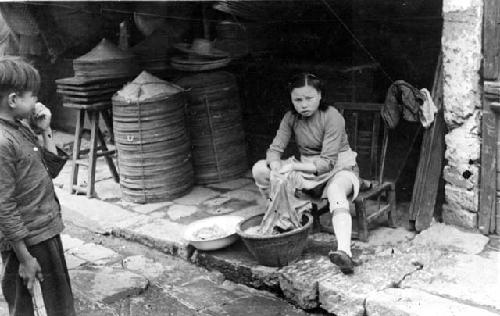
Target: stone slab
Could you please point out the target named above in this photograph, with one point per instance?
(196, 196)
(70, 242)
(299, 281)
(108, 190)
(245, 195)
(177, 211)
(177, 274)
(144, 266)
(217, 201)
(460, 198)
(225, 204)
(345, 294)
(448, 237)
(455, 175)
(94, 253)
(231, 185)
(384, 236)
(459, 217)
(4, 308)
(133, 220)
(155, 303)
(160, 234)
(468, 278)
(106, 284)
(251, 187)
(73, 262)
(238, 265)
(256, 305)
(250, 211)
(144, 208)
(411, 302)
(202, 294)
(96, 215)
(102, 173)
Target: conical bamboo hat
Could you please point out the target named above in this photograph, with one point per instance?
(146, 87)
(104, 51)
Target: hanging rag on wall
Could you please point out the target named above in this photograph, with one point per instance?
(405, 100)
(428, 109)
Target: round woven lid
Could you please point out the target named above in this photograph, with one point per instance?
(104, 51)
(206, 79)
(146, 87)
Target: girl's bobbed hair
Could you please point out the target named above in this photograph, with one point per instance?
(307, 79)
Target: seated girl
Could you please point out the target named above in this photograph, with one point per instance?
(326, 163)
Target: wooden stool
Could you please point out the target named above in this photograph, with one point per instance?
(93, 112)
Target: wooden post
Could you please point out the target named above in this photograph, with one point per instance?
(124, 36)
(491, 35)
(206, 23)
(491, 70)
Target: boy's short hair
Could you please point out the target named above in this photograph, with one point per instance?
(18, 75)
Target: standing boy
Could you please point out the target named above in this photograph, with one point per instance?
(30, 214)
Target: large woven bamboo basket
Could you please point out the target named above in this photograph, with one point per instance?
(215, 125)
(154, 150)
(276, 250)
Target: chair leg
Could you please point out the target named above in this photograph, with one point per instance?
(316, 220)
(362, 220)
(80, 121)
(392, 208)
(94, 121)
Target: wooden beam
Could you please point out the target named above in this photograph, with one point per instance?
(487, 185)
(430, 165)
(491, 37)
(491, 68)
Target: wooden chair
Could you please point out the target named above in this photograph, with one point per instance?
(363, 122)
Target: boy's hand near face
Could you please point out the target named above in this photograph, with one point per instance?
(40, 123)
(40, 120)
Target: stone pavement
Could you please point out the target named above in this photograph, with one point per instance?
(127, 279)
(442, 269)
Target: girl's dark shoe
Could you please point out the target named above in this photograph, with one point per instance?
(342, 260)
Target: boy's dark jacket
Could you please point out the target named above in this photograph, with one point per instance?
(29, 208)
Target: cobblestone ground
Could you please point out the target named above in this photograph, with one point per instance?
(111, 276)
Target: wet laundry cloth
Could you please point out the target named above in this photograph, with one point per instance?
(284, 210)
(428, 110)
(402, 100)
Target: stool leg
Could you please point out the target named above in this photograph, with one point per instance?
(94, 121)
(392, 207)
(109, 160)
(76, 150)
(108, 121)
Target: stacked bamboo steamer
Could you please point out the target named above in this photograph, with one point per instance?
(215, 124)
(152, 140)
(98, 75)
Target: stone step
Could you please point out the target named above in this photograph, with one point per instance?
(412, 302)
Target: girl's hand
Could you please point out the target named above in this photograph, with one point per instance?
(275, 165)
(287, 168)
